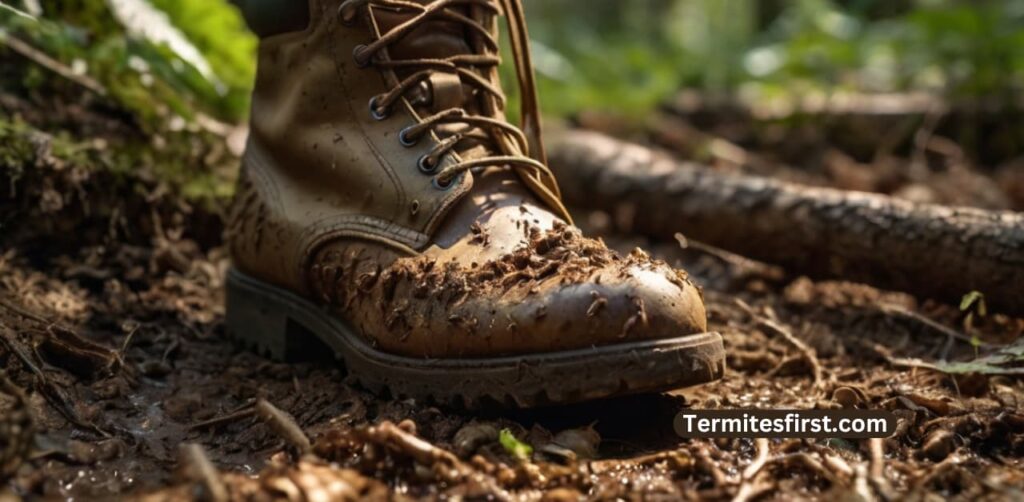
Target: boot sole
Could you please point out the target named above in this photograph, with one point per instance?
(279, 323)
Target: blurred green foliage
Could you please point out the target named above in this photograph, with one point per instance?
(103, 95)
(628, 56)
(598, 54)
(160, 84)
(220, 34)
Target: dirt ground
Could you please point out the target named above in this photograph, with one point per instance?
(115, 360)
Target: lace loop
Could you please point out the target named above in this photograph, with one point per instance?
(521, 148)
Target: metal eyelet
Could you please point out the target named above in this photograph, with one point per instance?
(375, 110)
(444, 186)
(359, 57)
(425, 166)
(405, 140)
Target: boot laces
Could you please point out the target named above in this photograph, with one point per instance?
(519, 148)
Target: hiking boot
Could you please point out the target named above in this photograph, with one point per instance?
(387, 209)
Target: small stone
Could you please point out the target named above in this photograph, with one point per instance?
(938, 445)
(583, 441)
(473, 436)
(846, 397)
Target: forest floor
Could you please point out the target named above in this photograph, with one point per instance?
(114, 357)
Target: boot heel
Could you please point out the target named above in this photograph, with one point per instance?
(256, 319)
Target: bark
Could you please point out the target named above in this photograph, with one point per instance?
(932, 251)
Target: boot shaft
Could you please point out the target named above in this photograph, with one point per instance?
(328, 156)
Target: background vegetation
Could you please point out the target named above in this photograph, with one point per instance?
(611, 55)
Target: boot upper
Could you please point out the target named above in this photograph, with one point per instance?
(381, 179)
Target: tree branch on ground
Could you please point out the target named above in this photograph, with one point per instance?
(932, 251)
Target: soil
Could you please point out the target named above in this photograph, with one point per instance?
(116, 364)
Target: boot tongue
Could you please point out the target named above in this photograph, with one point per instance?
(434, 39)
(496, 190)
(437, 38)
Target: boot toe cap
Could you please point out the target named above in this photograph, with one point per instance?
(616, 305)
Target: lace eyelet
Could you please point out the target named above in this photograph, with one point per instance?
(425, 166)
(358, 54)
(375, 110)
(444, 186)
(405, 140)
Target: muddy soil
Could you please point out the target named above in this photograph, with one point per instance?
(118, 380)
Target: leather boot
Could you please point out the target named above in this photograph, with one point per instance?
(387, 209)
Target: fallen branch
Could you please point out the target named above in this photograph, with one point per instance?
(932, 251)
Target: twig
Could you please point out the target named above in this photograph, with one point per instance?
(706, 464)
(835, 462)
(127, 341)
(40, 58)
(759, 461)
(741, 263)
(284, 425)
(806, 353)
(69, 346)
(198, 468)
(52, 394)
(860, 484)
(676, 457)
(876, 469)
(809, 462)
(392, 437)
(930, 323)
(4, 333)
(17, 428)
(752, 490)
(748, 487)
(224, 419)
(27, 313)
(444, 464)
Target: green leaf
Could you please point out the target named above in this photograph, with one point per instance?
(513, 446)
(968, 300)
(141, 19)
(1008, 360)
